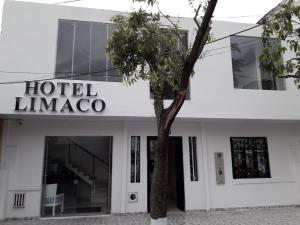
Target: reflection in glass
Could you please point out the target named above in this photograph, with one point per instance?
(247, 73)
(112, 74)
(250, 157)
(64, 48)
(193, 159)
(78, 170)
(135, 160)
(98, 55)
(81, 51)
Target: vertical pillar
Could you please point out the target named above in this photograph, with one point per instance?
(205, 167)
(124, 167)
(1, 137)
(3, 176)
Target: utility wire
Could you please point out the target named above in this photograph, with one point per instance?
(54, 78)
(233, 17)
(219, 53)
(80, 74)
(239, 32)
(228, 46)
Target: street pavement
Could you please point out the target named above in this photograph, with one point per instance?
(258, 216)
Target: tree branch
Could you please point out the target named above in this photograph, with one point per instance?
(200, 40)
(290, 76)
(295, 58)
(166, 16)
(196, 15)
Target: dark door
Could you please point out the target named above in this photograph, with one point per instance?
(175, 146)
(176, 143)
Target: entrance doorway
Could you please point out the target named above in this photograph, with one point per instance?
(77, 176)
(176, 195)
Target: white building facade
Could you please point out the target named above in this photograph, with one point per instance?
(73, 124)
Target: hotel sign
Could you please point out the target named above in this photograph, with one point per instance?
(69, 98)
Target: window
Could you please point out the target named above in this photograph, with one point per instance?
(1, 136)
(193, 158)
(250, 157)
(245, 64)
(169, 93)
(135, 160)
(77, 175)
(81, 51)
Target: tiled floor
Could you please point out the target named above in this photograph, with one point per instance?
(261, 216)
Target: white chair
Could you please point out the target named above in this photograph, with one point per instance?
(51, 199)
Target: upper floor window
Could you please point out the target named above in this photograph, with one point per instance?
(81, 51)
(168, 92)
(247, 73)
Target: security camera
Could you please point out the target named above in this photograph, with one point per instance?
(19, 122)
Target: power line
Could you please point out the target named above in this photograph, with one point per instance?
(220, 53)
(81, 74)
(229, 46)
(242, 31)
(233, 17)
(61, 77)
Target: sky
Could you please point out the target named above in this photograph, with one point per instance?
(248, 11)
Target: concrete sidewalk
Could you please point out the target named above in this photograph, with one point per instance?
(261, 216)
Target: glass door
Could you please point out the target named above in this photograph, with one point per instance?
(77, 176)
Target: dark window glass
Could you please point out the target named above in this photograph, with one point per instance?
(247, 73)
(112, 75)
(81, 51)
(82, 47)
(193, 159)
(98, 55)
(64, 48)
(250, 157)
(77, 176)
(184, 42)
(169, 93)
(135, 160)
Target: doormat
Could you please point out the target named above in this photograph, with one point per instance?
(88, 210)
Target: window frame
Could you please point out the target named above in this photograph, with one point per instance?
(265, 152)
(135, 160)
(258, 70)
(166, 88)
(71, 75)
(193, 159)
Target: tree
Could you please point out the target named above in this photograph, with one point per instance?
(144, 49)
(284, 26)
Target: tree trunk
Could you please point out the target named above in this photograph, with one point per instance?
(165, 119)
(159, 185)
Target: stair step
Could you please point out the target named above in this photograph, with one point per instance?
(79, 173)
(100, 193)
(98, 200)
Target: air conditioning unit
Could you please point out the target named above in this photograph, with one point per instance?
(132, 197)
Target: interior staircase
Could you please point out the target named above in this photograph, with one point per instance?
(99, 188)
(80, 173)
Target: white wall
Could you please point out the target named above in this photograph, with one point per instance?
(283, 186)
(23, 158)
(281, 189)
(24, 149)
(28, 43)
(194, 197)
